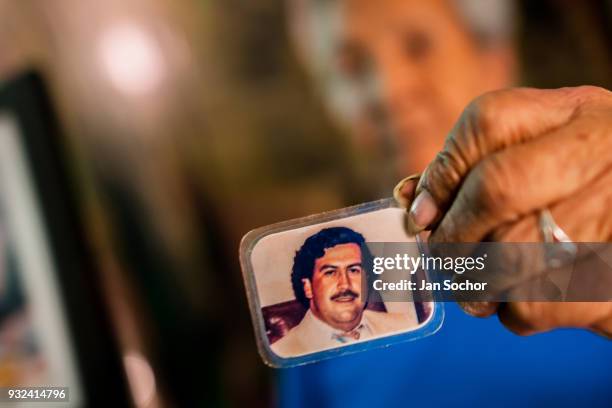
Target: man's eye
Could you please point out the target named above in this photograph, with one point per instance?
(352, 62)
(329, 272)
(417, 45)
(355, 270)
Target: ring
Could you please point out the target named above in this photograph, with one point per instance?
(556, 255)
(550, 230)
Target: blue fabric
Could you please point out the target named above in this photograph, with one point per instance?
(469, 362)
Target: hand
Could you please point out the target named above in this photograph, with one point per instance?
(512, 153)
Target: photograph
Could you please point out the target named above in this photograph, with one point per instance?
(213, 203)
(314, 285)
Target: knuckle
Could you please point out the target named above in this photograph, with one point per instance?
(524, 318)
(591, 91)
(483, 113)
(478, 309)
(530, 315)
(587, 93)
(493, 185)
(486, 111)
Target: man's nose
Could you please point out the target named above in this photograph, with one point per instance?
(400, 79)
(344, 280)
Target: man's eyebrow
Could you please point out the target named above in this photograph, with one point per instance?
(349, 45)
(325, 266)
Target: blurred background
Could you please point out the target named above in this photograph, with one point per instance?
(190, 123)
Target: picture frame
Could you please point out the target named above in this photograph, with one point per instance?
(266, 255)
(45, 228)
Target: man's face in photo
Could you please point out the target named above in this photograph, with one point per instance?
(335, 289)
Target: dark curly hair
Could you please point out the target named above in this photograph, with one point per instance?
(314, 247)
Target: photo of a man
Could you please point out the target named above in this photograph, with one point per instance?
(330, 276)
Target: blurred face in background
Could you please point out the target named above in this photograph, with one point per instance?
(413, 65)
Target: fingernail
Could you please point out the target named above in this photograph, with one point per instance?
(404, 190)
(423, 212)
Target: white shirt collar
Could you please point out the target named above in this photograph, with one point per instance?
(320, 332)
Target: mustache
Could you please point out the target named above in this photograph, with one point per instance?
(344, 293)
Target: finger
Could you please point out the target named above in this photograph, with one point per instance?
(585, 217)
(595, 201)
(479, 309)
(526, 318)
(489, 124)
(582, 276)
(527, 177)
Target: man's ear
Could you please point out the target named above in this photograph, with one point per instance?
(307, 288)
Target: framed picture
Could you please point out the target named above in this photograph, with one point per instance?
(312, 285)
(54, 329)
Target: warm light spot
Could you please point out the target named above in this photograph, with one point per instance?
(141, 378)
(132, 59)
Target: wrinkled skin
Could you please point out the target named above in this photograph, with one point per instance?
(512, 153)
